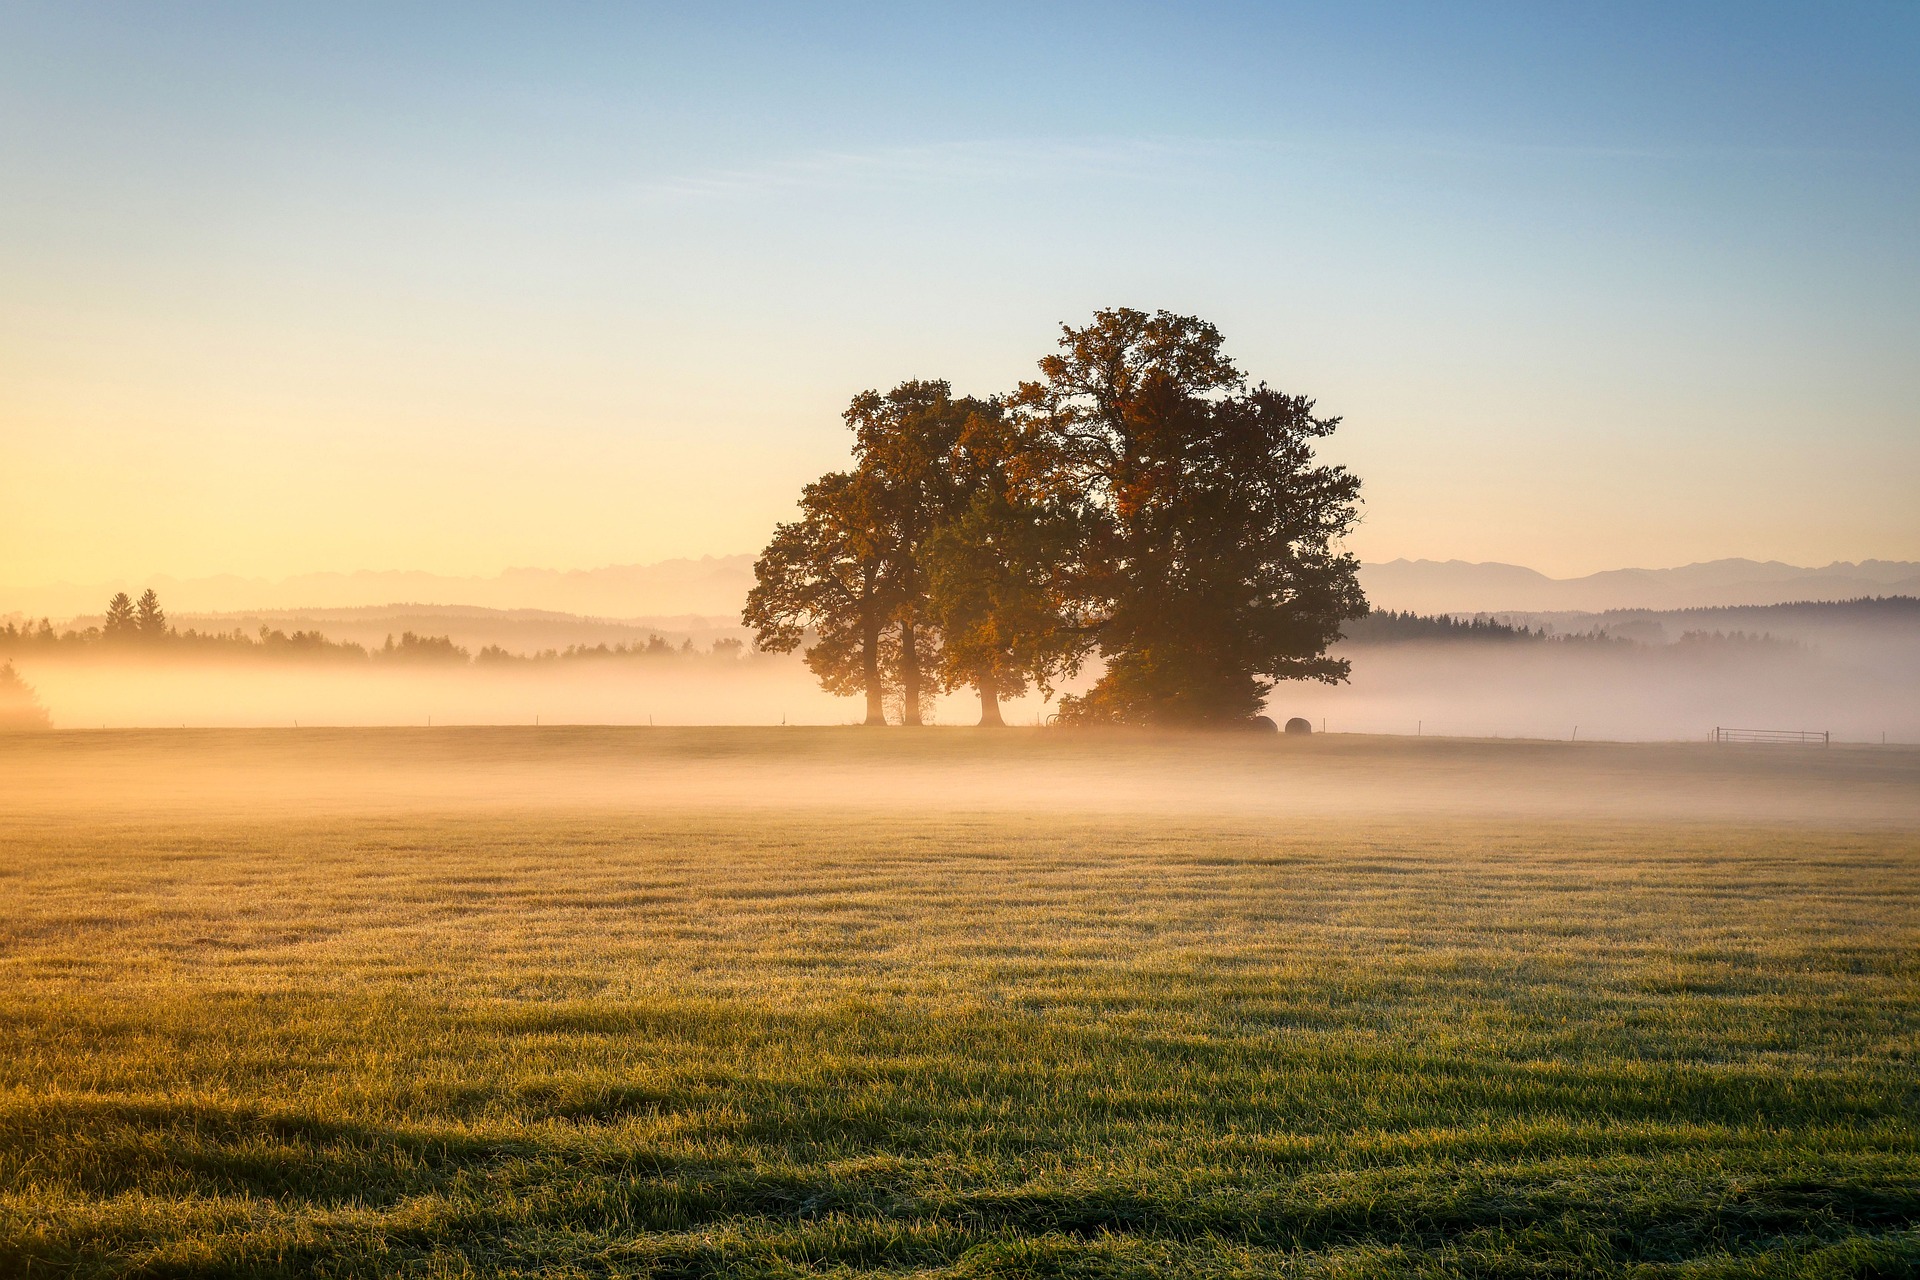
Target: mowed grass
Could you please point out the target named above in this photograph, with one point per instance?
(835, 1035)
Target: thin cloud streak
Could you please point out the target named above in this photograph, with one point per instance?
(943, 164)
(1133, 159)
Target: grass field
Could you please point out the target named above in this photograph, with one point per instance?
(760, 1003)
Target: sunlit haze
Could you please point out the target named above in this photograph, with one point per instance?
(454, 288)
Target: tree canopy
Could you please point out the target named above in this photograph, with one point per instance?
(903, 448)
(1209, 567)
(1141, 501)
(993, 571)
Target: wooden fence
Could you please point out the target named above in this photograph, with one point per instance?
(1795, 737)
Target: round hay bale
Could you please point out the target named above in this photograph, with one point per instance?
(1263, 724)
(1299, 724)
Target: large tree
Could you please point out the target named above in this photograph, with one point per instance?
(993, 570)
(1208, 568)
(903, 442)
(825, 575)
(968, 564)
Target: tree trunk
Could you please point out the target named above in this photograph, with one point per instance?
(870, 670)
(909, 675)
(989, 701)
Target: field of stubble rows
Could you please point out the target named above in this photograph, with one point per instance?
(835, 1002)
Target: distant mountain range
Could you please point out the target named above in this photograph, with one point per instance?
(713, 587)
(1458, 586)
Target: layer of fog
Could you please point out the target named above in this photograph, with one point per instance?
(1852, 670)
(1860, 691)
(1619, 692)
(93, 691)
(949, 781)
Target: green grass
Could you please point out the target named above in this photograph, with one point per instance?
(250, 1030)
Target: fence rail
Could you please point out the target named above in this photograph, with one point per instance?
(1791, 736)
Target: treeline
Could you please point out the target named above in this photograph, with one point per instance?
(1386, 626)
(141, 627)
(1709, 643)
(1383, 626)
(267, 642)
(1897, 610)
(653, 648)
(1141, 500)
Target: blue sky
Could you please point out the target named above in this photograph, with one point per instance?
(458, 287)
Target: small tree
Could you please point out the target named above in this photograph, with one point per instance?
(148, 618)
(122, 622)
(19, 708)
(825, 575)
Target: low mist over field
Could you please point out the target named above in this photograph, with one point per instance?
(1629, 671)
(500, 774)
(1849, 668)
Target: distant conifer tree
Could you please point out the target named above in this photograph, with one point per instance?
(122, 623)
(149, 617)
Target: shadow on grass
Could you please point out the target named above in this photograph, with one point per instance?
(982, 1146)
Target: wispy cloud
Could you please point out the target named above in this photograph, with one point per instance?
(943, 164)
(1069, 160)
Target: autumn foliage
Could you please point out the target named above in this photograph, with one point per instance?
(1140, 501)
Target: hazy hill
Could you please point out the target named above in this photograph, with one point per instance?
(715, 586)
(473, 627)
(709, 586)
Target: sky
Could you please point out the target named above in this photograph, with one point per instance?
(460, 287)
